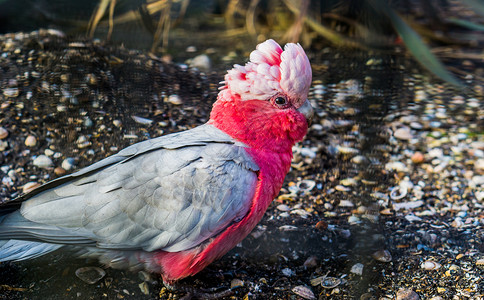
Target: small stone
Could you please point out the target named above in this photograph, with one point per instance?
(383, 256)
(407, 294)
(346, 203)
(283, 207)
(175, 100)
(68, 163)
(117, 123)
(3, 133)
(480, 263)
(144, 288)
(288, 272)
(201, 62)
(357, 269)
(30, 141)
(90, 275)
(43, 162)
(311, 262)
(59, 171)
(417, 158)
(403, 134)
(30, 186)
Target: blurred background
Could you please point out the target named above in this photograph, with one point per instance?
(430, 31)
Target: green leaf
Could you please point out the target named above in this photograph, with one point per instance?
(476, 5)
(467, 24)
(420, 51)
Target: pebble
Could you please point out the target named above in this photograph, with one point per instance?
(382, 256)
(30, 186)
(117, 123)
(406, 294)
(288, 272)
(403, 134)
(175, 99)
(311, 262)
(357, 269)
(417, 158)
(30, 141)
(59, 171)
(43, 162)
(283, 207)
(201, 62)
(68, 163)
(3, 133)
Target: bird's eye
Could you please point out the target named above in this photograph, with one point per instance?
(280, 101)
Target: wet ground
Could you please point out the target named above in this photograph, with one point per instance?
(384, 198)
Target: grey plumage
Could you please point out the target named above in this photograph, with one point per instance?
(169, 193)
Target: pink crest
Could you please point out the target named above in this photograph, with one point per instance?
(272, 71)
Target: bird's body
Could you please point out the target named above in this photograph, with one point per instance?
(176, 203)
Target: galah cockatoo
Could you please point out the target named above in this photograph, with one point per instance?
(175, 203)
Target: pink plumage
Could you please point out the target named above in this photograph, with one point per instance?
(176, 203)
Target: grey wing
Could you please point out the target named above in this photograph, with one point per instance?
(170, 199)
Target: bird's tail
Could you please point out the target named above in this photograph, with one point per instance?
(15, 250)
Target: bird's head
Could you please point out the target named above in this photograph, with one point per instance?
(265, 102)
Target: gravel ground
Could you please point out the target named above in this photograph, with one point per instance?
(383, 201)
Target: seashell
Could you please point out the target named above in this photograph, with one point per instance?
(175, 100)
(430, 265)
(349, 182)
(382, 255)
(398, 192)
(306, 185)
(11, 92)
(90, 275)
(236, 283)
(330, 282)
(141, 120)
(304, 292)
(283, 207)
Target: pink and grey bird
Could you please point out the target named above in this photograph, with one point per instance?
(175, 203)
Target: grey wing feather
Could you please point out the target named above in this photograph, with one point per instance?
(169, 193)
